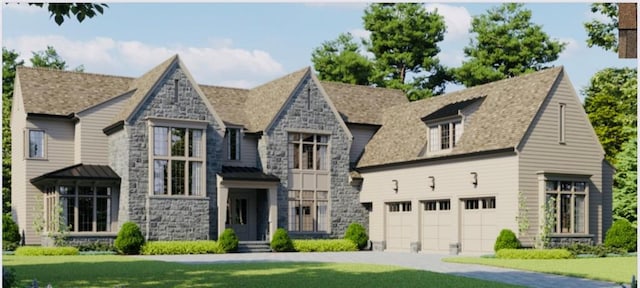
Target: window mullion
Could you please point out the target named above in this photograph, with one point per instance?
(94, 222)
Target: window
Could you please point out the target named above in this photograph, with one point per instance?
(400, 207)
(561, 123)
(445, 204)
(480, 203)
(178, 161)
(430, 206)
(36, 144)
(471, 204)
(570, 198)
(233, 143)
(444, 136)
(308, 211)
(434, 205)
(85, 207)
(308, 151)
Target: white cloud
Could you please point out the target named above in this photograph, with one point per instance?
(218, 63)
(457, 19)
(451, 58)
(572, 48)
(13, 7)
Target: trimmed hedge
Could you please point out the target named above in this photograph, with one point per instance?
(129, 239)
(597, 250)
(46, 251)
(181, 247)
(534, 254)
(228, 240)
(622, 235)
(506, 240)
(281, 241)
(324, 245)
(356, 233)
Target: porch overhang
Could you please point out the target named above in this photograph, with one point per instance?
(78, 172)
(246, 174)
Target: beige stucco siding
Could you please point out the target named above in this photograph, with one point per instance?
(248, 151)
(92, 145)
(497, 177)
(581, 153)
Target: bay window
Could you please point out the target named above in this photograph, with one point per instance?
(570, 200)
(82, 207)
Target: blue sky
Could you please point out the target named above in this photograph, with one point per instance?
(247, 44)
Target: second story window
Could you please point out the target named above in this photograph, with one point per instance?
(233, 143)
(36, 144)
(308, 151)
(444, 136)
(178, 161)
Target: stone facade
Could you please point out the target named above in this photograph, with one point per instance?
(119, 162)
(175, 218)
(312, 112)
(563, 241)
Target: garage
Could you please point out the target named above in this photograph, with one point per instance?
(479, 229)
(437, 223)
(399, 226)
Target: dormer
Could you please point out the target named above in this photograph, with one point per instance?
(446, 125)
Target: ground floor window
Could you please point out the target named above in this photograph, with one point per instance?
(400, 207)
(480, 203)
(308, 211)
(568, 200)
(80, 207)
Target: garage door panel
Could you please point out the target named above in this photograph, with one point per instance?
(436, 230)
(479, 229)
(398, 229)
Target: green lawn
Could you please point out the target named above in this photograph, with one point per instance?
(110, 271)
(613, 269)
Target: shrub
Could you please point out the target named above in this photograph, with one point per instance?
(46, 251)
(534, 254)
(8, 277)
(129, 239)
(356, 233)
(324, 245)
(506, 240)
(281, 241)
(622, 235)
(9, 246)
(228, 240)
(10, 231)
(181, 247)
(96, 247)
(597, 250)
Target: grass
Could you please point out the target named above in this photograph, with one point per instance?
(111, 270)
(612, 269)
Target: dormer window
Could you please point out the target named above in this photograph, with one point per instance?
(444, 136)
(446, 124)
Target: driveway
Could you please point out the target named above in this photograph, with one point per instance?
(429, 262)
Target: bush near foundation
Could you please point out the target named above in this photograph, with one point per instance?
(595, 250)
(46, 251)
(506, 240)
(281, 241)
(324, 245)
(181, 247)
(228, 240)
(622, 235)
(356, 233)
(10, 233)
(129, 239)
(534, 254)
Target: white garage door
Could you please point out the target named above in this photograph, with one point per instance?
(479, 229)
(437, 222)
(399, 226)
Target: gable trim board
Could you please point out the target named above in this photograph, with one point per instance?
(390, 141)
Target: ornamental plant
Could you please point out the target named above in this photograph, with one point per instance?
(129, 239)
(281, 241)
(356, 233)
(507, 239)
(228, 240)
(622, 235)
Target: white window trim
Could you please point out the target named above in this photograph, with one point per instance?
(27, 146)
(238, 143)
(452, 144)
(153, 122)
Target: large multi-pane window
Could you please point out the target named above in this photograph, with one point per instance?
(81, 207)
(308, 151)
(444, 136)
(308, 211)
(178, 161)
(570, 200)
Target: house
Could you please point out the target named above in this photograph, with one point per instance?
(185, 161)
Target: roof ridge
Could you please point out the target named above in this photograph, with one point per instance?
(359, 85)
(74, 72)
(281, 77)
(225, 87)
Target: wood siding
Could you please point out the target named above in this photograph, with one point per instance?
(18, 162)
(541, 150)
(361, 136)
(497, 177)
(248, 152)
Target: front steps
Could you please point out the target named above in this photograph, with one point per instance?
(253, 247)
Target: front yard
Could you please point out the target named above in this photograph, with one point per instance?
(612, 269)
(113, 271)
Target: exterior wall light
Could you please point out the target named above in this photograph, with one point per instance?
(432, 182)
(474, 179)
(395, 185)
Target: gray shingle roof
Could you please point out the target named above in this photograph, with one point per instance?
(362, 104)
(500, 122)
(56, 92)
(228, 102)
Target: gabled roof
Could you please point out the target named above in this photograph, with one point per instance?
(362, 104)
(500, 122)
(57, 92)
(79, 172)
(265, 101)
(228, 102)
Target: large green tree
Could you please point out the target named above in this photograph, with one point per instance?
(603, 33)
(610, 102)
(506, 44)
(340, 60)
(80, 10)
(625, 189)
(47, 58)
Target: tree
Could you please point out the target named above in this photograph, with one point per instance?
(9, 64)
(404, 39)
(49, 58)
(80, 10)
(610, 102)
(625, 189)
(340, 61)
(506, 44)
(600, 33)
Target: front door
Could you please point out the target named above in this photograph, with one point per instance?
(241, 214)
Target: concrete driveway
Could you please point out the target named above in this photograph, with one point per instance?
(429, 262)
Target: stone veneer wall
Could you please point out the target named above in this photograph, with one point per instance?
(178, 217)
(119, 162)
(345, 207)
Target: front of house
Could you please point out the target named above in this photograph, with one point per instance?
(185, 161)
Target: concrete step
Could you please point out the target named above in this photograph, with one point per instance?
(253, 247)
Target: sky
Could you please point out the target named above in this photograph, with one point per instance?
(247, 44)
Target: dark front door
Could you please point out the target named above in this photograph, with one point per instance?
(241, 214)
